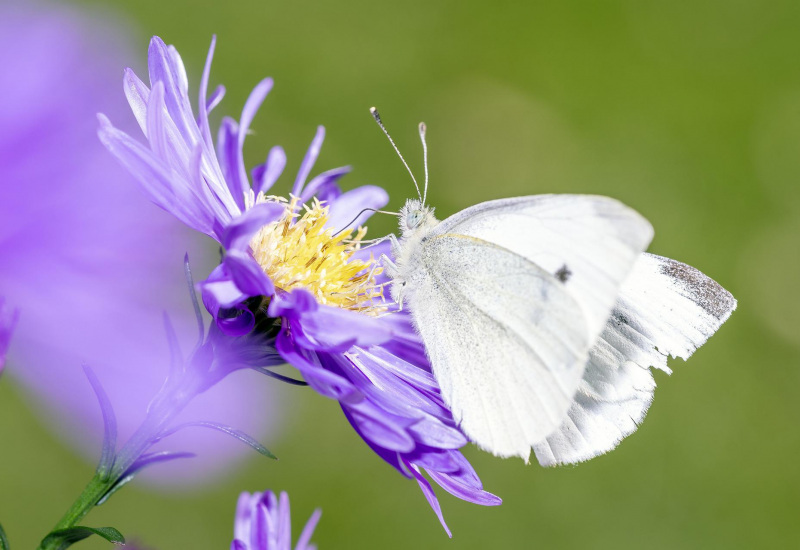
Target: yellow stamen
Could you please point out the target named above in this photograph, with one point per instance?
(300, 252)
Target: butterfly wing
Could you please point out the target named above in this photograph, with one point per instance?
(589, 242)
(507, 342)
(664, 308)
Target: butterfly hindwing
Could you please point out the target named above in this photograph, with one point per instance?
(665, 308)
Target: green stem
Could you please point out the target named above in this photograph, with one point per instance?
(87, 500)
(3, 540)
(159, 416)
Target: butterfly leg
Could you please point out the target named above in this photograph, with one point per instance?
(398, 285)
(392, 238)
(390, 268)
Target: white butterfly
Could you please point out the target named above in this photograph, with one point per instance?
(541, 316)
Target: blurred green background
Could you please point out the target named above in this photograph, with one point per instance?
(689, 112)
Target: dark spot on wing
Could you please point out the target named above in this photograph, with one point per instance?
(563, 274)
(619, 319)
(702, 290)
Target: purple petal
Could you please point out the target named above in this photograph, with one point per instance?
(251, 106)
(308, 161)
(322, 183)
(247, 274)
(407, 344)
(308, 530)
(222, 293)
(269, 508)
(342, 210)
(389, 391)
(229, 155)
(463, 491)
(223, 300)
(329, 193)
(261, 536)
(138, 95)
(165, 66)
(231, 140)
(391, 457)
(245, 507)
(284, 522)
(336, 329)
(203, 106)
(180, 70)
(429, 495)
(466, 473)
(383, 429)
(214, 100)
(292, 304)
(265, 175)
(216, 207)
(322, 381)
(433, 432)
(156, 111)
(404, 370)
(239, 233)
(434, 459)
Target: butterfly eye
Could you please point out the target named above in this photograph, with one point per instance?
(414, 219)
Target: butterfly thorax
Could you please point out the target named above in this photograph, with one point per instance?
(416, 223)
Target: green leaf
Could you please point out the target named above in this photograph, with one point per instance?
(3, 540)
(68, 537)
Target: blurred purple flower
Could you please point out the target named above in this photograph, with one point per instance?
(89, 265)
(263, 523)
(294, 271)
(8, 319)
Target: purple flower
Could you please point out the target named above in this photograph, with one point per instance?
(80, 263)
(295, 270)
(263, 523)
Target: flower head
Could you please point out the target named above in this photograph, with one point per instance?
(294, 270)
(302, 251)
(263, 523)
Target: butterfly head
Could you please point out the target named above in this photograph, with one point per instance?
(415, 217)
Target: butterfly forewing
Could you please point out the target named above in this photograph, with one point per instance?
(507, 342)
(588, 242)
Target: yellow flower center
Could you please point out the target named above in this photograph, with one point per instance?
(298, 251)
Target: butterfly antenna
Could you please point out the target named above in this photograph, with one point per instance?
(359, 215)
(422, 129)
(374, 112)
